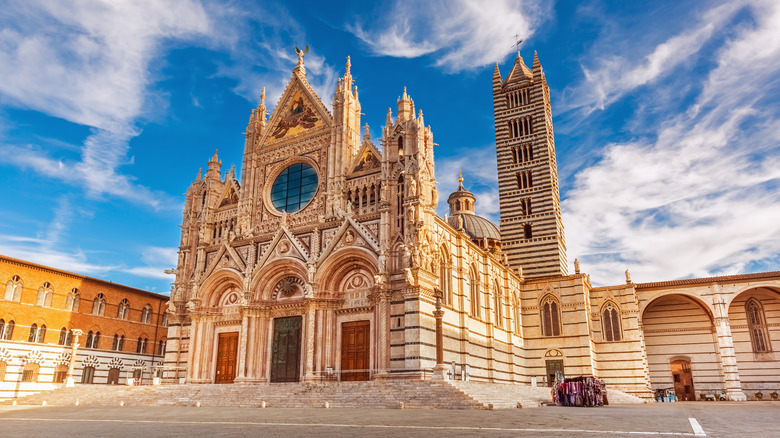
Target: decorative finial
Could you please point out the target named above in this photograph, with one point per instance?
(460, 177)
(300, 54)
(517, 43)
(262, 97)
(349, 64)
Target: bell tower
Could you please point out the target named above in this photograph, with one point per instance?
(531, 226)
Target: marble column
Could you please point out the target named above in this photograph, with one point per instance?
(74, 346)
(440, 370)
(728, 357)
(242, 349)
(310, 339)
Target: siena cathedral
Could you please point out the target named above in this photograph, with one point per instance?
(326, 260)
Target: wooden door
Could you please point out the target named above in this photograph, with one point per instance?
(286, 350)
(683, 380)
(355, 350)
(113, 376)
(553, 368)
(227, 356)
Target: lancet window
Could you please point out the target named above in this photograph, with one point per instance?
(551, 317)
(759, 337)
(610, 323)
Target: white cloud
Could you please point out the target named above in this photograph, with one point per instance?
(87, 62)
(464, 33)
(700, 197)
(609, 78)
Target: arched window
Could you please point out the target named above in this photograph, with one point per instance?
(759, 337)
(93, 340)
(73, 300)
(518, 325)
(44, 295)
(33, 333)
(527, 231)
(30, 373)
(87, 374)
(65, 337)
(400, 213)
(99, 305)
(401, 146)
(41, 338)
(610, 322)
(60, 373)
(551, 317)
(119, 342)
(141, 345)
(123, 309)
(164, 322)
(13, 289)
(474, 295)
(497, 304)
(146, 314)
(6, 330)
(161, 348)
(445, 278)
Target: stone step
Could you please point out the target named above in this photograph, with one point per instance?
(415, 394)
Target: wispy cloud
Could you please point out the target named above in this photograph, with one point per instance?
(608, 77)
(463, 33)
(87, 62)
(698, 196)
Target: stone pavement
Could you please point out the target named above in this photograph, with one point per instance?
(662, 419)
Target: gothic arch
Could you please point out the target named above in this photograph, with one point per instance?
(340, 264)
(643, 306)
(266, 279)
(217, 284)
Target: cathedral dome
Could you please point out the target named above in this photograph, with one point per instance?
(462, 217)
(477, 227)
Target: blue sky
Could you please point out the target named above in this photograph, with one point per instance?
(666, 117)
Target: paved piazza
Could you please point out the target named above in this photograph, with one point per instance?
(676, 419)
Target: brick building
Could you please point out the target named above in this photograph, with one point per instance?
(122, 330)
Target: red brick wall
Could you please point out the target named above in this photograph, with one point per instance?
(25, 313)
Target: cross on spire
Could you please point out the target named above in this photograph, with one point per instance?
(518, 41)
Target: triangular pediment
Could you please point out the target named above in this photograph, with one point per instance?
(229, 195)
(300, 112)
(284, 245)
(226, 257)
(351, 233)
(367, 159)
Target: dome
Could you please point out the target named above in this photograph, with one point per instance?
(476, 227)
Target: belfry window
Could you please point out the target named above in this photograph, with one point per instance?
(528, 231)
(550, 315)
(610, 323)
(759, 337)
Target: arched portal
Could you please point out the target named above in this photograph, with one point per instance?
(678, 328)
(754, 316)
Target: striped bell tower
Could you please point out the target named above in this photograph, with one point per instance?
(531, 227)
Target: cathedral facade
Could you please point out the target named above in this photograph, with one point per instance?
(327, 260)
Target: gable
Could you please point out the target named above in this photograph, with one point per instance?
(367, 159)
(299, 112)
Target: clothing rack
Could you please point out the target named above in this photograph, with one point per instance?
(580, 391)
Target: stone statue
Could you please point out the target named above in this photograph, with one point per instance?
(311, 271)
(576, 266)
(628, 276)
(171, 307)
(409, 276)
(412, 187)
